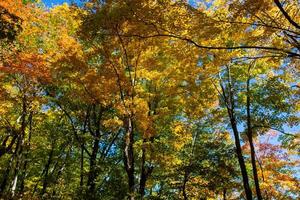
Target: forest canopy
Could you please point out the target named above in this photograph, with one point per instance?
(150, 99)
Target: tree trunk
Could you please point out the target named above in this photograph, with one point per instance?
(20, 145)
(93, 172)
(17, 167)
(224, 194)
(185, 180)
(6, 176)
(241, 159)
(145, 171)
(252, 149)
(230, 105)
(144, 175)
(60, 172)
(24, 170)
(46, 171)
(129, 157)
(81, 169)
(5, 149)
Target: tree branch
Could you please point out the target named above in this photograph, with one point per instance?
(286, 15)
(290, 53)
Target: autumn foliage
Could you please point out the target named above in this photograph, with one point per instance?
(143, 99)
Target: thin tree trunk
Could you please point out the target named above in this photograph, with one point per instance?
(92, 171)
(14, 184)
(230, 105)
(241, 159)
(81, 169)
(6, 176)
(144, 175)
(60, 171)
(46, 171)
(185, 180)
(18, 165)
(3, 148)
(18, 154)
(129, 157)
(145, 171)
(224, 194)
(252, 149)
(86, 121)
(24, 170)
(19, 148)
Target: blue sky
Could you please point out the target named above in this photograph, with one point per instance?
(50, 3)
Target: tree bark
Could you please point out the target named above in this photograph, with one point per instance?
(20, 145)
(224, 194)
(185, 180)
(81, 169)
(93, 172)
(230, 105)
(5, 149)
(145, 171)
(144, 174)
(252, 149)
(241, 159)
(6, 175)
(129, 157)
(24, 170)
(46, 171)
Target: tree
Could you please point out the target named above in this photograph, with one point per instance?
(149, 100)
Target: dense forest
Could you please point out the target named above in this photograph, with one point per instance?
(150, 99)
